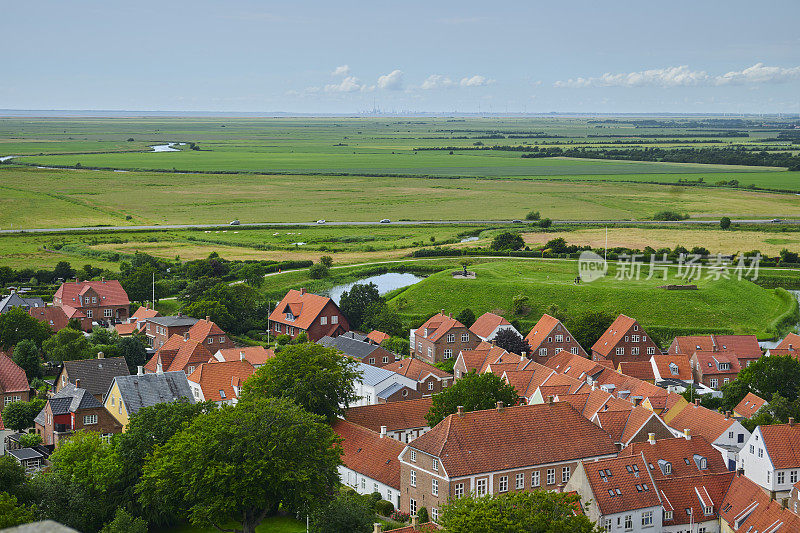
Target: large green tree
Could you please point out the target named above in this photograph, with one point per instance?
(12, 476)
(765, 377)
(12, 514)
(538, 511)
(347, 511)
(317, 378)
(355, 302)
(511, 341)
(241, 464)
(473, 392)
(133, 350)
(67, 345)
(507, 241)
(19, 415)
(590, 326)
(17, 325)
(26, 355)
(381, 316)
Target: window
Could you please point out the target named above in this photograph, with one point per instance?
(323, 320)
(435, 465)
(465, 337)
(277, 327)
(635, 350)
(761, 452)
(703, 463)
(634, 338)
(435, 514)
(222, 394)
(385, 359)
(574, 350)
(626, 338)
(88, 420)
(430, 385)
(88, 313)
(435, 487)
(211, 340)
(651, 350)
(106, 438)
(119, 408)
(112, 401)
(769, 476)
(673, 369)
(414, 455)
(543, 352)
(372, 360)
(667, 468)
(713, 383)
(459, 490)
(628, 522)
(430, 351)
(752, 449)
(730, 434)
(503, 487)
(419, 347)
(289, 316)
(793, 477)
(667, 515)
(520, 482)
(724, 366)
(535, 479)
(725, 381)
(708, 510)
(412, 506)
(448, 353)
(451, 337)
(781, 477)
(551, 476)
(620, 350)
(363, 484)
(559, 338)
(108, 313)
(413, 481)
(189, 370)
(334, 319)
(565, 471)
(647, 518)
(481, 487)
(607, 524)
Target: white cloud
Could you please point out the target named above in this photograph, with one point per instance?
(662, 77)
(759, 73)
(436, 81)
(475, 81)
(392, 81)
(342, 70)
(349, 84)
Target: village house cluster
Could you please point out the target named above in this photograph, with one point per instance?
(606, 422)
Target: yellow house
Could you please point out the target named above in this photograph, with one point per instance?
(128, 394)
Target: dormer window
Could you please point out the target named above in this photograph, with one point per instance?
(289, 316)
(673, 369)
(703, 463)
(708, 510)
(724, 366)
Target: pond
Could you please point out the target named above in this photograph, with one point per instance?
(165, 147)
(385, 282)
(469, 239)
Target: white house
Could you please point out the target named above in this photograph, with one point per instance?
(726, 434)
(377, 385)
(488, 325)
(771, 458)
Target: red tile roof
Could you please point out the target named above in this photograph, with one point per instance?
(125, 329)
(747, 508)
(415, 369)
(701, 421)
(305, 306)
(680, 453)
(396, 416)
(638, 369)
(377, 337)
(221, 377)
(487, 323)
(514, 437)
(178, 353)
(527, 380)
(368, 454)
(540, 330)
(782, 442)
(621, 484)
(255, 355)
(204, 328)
(144, 313)
(436, 326)
(55, 317)
(12, 377)
(709, 362)
(696, 493)
(792, 340)
(681, 361)
(110, 292)
(615, 332)
(743, 346)
(749, 405)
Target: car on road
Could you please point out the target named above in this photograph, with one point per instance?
(776, 220)
(235, 223)
(516, 222)
(321, 221)
(385, 221)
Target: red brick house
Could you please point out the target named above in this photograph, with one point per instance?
(14, 386)
(624, 340)
(714, 369)
(302, 312)
(744, 347)
(548, 337)
(57, 319)
(220, 382)
(179, 353)
(210, 335)
(159, 330)
(403, 421)
(495, 451)
(96, 300)
(441, 337)
(72, 409)
(430, 379)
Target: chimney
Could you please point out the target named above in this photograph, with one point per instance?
(636, 401)
(651, 438)
(77, 279)
(140, 370)
(77, 383)
(524, 355)
(740, 471)
(383, 431)
(159, 368)
(687, 434)
(208, 318)
(594, 385)
(241, 356)
(697, 402)
(414, 522)
(376, 527)
(727, 415)
(302, 291)
(460, 410)
(186, 336)
(100, 355)
(550, 400)
(791, 421)
(102, 280)
(442, 311)
(785, 503)
(499, 406)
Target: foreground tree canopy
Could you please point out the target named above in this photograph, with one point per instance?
(241, 464)
(474, 392)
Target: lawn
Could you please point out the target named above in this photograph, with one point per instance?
(278, 524)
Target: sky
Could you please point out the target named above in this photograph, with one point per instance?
(618, 56)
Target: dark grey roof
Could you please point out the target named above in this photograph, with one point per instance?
(388, 391)
(354, 335)
(348, 346)
(173, 321)
(23, 454)
(146, 390)
(71, 399)
(96, 375)
(45, 526)
(15, 300)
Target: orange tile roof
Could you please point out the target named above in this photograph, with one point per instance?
(782, 442)
(701, 421)
(742, 346)
(144, 313)
(178, 353)
(125, 329)
(437, 325)
(708, 362)
(616, 331)
(377, 337)
(368, 454)
(204, 328)
(628, 486)
(415, 369)
(681, 361)
(55, 317)
(791, 341)
(473, 359)
(527, 380)
(540, 330)
(305, 306)
(219, 378)
(396, 416)
(12, 377)
(255, 355)
(427, 527)
(679, 452)
(638, 369)
(498, 355)
(110, 292)
(749, 405)
(696, 493)
(747, 508)
(514, 437)
(487, 323)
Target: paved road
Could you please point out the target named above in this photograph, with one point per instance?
(394, 223)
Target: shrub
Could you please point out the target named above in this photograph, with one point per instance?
(282, 340)
(545, 223)
(318, 271)
(399, 516)
(507, 241)
(533, 215)
(725, 223)
(384, 508)
(669, 215)
(422, 514)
